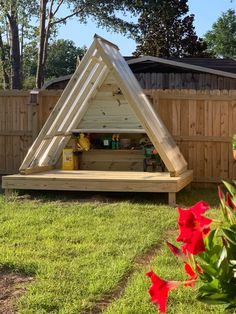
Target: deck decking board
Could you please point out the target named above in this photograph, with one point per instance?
(111, 181)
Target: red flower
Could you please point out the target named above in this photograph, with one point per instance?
(176, 251)
(229, 202)
(194, 244)
(193, 227)
(160, 289)
(198, 209)
(192, 275)
(220, 194)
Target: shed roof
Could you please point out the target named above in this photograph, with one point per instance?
(220, 67)
(149, 64)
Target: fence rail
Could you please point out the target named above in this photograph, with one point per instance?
(201, 122)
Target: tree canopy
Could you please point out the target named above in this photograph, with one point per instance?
(62, 58)
(17, 27)
(104, 13)
(221, 39)
(166, 29)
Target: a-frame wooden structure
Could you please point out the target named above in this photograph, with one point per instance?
(76, 109)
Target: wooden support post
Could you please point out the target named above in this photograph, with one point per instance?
(172, 198)
(8, 192)
(34, 118)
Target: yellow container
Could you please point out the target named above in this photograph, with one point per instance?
(68, 159)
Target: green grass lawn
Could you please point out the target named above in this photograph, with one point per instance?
(79, 252)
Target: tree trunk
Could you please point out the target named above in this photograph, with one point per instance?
(6, 80)
(22, 52)
(15, 50)
(42, 35)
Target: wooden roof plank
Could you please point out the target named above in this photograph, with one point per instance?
(84, 63)
(102, 59)
(155, 128)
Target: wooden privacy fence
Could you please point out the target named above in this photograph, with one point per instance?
(202, 123)
(22, 115)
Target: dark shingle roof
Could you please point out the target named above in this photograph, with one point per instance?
(226, 65)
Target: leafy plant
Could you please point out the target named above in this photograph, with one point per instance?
(234, 141)
(208, 254)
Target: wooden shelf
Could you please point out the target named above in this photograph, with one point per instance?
(110, 151)
(118, 131)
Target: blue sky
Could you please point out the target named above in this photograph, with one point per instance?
(206, 13)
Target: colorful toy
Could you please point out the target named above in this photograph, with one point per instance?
(152, 161)
(84, 142)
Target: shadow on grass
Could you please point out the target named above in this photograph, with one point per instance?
(185, 198)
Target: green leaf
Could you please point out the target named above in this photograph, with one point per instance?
(225, 271)
(230, 306)
(230, 235)
(231, 251)
(233, 228)
(205, 277)
(214, 298)
(210, 239)
(211, 256)
(223, 256)
(230, 188)
(210, 270)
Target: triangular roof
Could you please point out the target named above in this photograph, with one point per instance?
(101, 60)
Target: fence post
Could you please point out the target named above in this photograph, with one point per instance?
(34, 112)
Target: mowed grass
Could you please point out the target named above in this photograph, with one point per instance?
(79, 252)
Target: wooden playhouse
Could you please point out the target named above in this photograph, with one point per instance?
(103, 98)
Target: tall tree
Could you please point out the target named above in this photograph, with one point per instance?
(10, 11)
(4, 58)
(166, 29)
(103, 12)
(221, 40)
(14, 19)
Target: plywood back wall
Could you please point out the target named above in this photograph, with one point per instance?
(109, 109)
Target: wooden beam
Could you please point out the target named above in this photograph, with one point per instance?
(8, 192)
(106, 41)
(73, 107)
(57, 134)
(13, 92)
(81, 111)
(172, 199)
(155, 128)
(16, 133)
(105, 130)
(36, 170)
(96, 181)
(200, 138)
(70, 86)
(192, 95)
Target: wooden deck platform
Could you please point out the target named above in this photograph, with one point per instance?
(114, 181)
